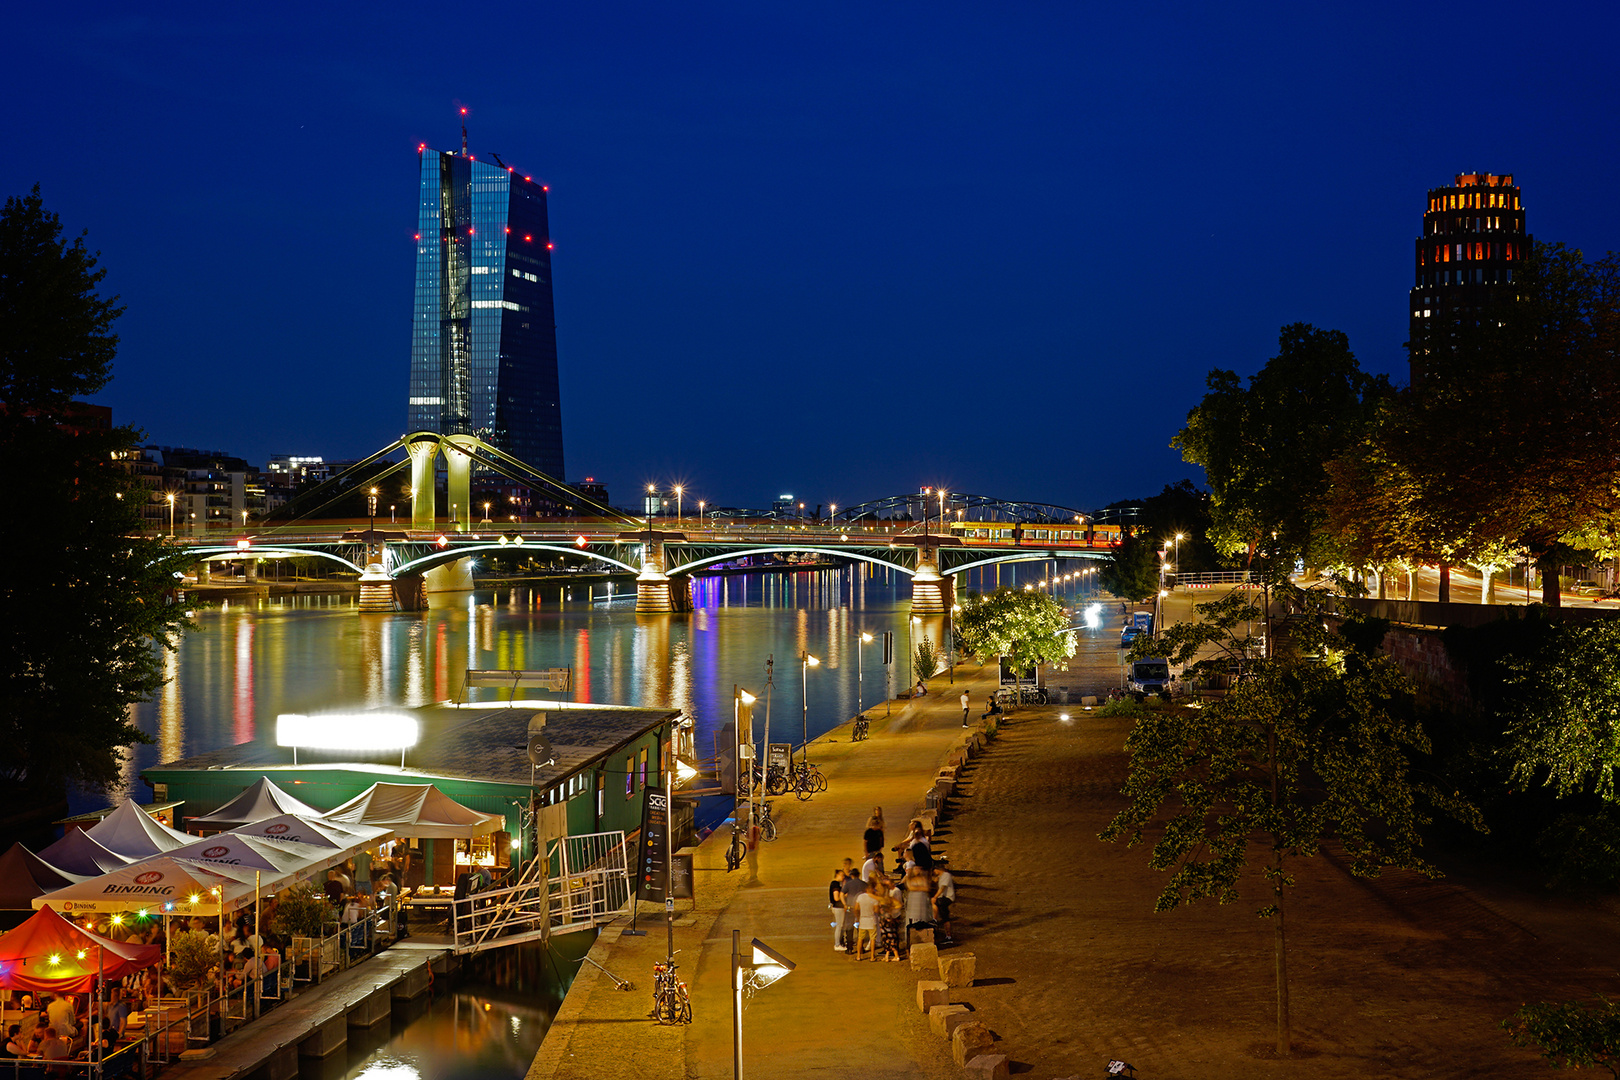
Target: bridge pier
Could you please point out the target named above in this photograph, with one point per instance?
(931, 592)
(451, 577)
(656, 592)
(424, 451)
(458, 457)
(376, 589)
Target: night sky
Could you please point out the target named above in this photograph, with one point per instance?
(837, 251)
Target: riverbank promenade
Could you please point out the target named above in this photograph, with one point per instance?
(831, 1013)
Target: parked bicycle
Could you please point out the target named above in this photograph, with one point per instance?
(767, 824)
(862, 730)
(736, 849)
(807, 780)
(671, 1003)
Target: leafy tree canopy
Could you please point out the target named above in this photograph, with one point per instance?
(1561, 704)
(1264, 448)
(1571, 1035)
(1024, 626)
(1131, 570)
(85, 598)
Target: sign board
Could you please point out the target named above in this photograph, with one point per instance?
(780, 755)
(683, 877)
(652, 872)
(1009, 677)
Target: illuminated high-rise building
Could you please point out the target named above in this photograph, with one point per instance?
(1473, 242)
(483, 332)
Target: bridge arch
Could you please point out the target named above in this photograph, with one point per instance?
(686, 568)
(451, 554)
(1025, 556)
(227, 554)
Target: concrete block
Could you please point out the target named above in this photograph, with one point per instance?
(928, 819)
(376, 1009)
(413, 983)
(940, 1018)
(925, 958)
(987, 1067)
(281, 1065)
(931, 992)
(920, 937)
(969, 1040)
(956, 969)
(325, 1040)
(1089, 701)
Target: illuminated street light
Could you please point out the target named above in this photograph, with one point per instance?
(170, 496)
(860, 671)
(679, 491)
(763, 967)
(806, 662)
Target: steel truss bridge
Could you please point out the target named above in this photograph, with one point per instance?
(651, 549)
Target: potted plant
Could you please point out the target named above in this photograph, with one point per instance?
(301, 916)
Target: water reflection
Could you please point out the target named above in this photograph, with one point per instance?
(242, 665)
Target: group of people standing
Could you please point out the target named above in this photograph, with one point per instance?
(873, 911)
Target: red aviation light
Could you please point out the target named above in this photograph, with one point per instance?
(421, 147)
(528, 179)
(509, 230)
(527, 239)
(419, 236)
(464, 110)
(545, 187)
(471, 231)
(550, 246)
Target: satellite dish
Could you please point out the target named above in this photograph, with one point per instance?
(540, 751)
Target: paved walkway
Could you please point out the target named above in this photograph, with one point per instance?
(831, 1014)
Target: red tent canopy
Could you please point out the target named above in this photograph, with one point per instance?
(48, 953)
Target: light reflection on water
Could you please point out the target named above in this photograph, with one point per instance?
(243, 665)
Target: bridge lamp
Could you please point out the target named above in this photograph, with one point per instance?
(701, 504)
(680, 490)
(759, 968)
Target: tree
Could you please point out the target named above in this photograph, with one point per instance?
(1023, 626)
(84, 599)
(1561, 704)
(1264, 447)
(1131, 570)
(925, 660)
(1572, 1035)
(1300, 752)
(1510, 421)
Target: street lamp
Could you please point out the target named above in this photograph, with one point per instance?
(927, 491)
(1177, 555)
(679, 491)
(701, 504)
(763, 967)
(170, 497)
(860, 672)
(806, 662)
(942, 496)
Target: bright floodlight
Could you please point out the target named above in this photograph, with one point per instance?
(747, 698)
(683, 771)
(812, 660)
(348, 731)
(768, 965)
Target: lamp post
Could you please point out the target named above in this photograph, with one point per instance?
(763, 967)
(679, 491)
(806, 662)
(860, 672)
(371, 534)
(701, 504)
(942, 496)
(927, 491)
(170, 496)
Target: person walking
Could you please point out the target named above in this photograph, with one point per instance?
(867, 905)
(853, 888)
(944, 897)
(873, 838)
(964, 708)
(835, 904)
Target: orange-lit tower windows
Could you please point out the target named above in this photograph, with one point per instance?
(1472, 243)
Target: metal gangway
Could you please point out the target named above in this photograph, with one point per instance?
(581, 881)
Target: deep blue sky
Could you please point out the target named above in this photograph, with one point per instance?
(834, 251)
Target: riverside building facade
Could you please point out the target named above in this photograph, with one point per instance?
(483, 333)
(1472, 244)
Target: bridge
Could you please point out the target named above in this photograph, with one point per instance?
(397, 566)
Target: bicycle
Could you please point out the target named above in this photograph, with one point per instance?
(671, 1004)
(861, 732)
(736, 849)
(767, 824)
(807, 780)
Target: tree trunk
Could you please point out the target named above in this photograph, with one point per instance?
(1445, 583)
(1487, 586)
(1284, 1031)
(1383, 583)
(1411, 583)
(1549, 581)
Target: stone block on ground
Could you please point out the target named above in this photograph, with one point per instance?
(925, 958)
(929, 819)
(969, 1040)
(941, 1017)
(931, 992)
(987, 1067)
(957, 969)
(1088, 701)
(922, 935)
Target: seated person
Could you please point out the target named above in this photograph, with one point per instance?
(53, 1047)
(16, 1046)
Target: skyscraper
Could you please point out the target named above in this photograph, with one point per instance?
(483, 334)
(1473, 240)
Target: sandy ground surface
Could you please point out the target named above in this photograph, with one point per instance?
(1399, 977)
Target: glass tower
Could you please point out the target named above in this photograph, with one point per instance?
(483, 332)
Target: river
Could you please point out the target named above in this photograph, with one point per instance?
(241, 665)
